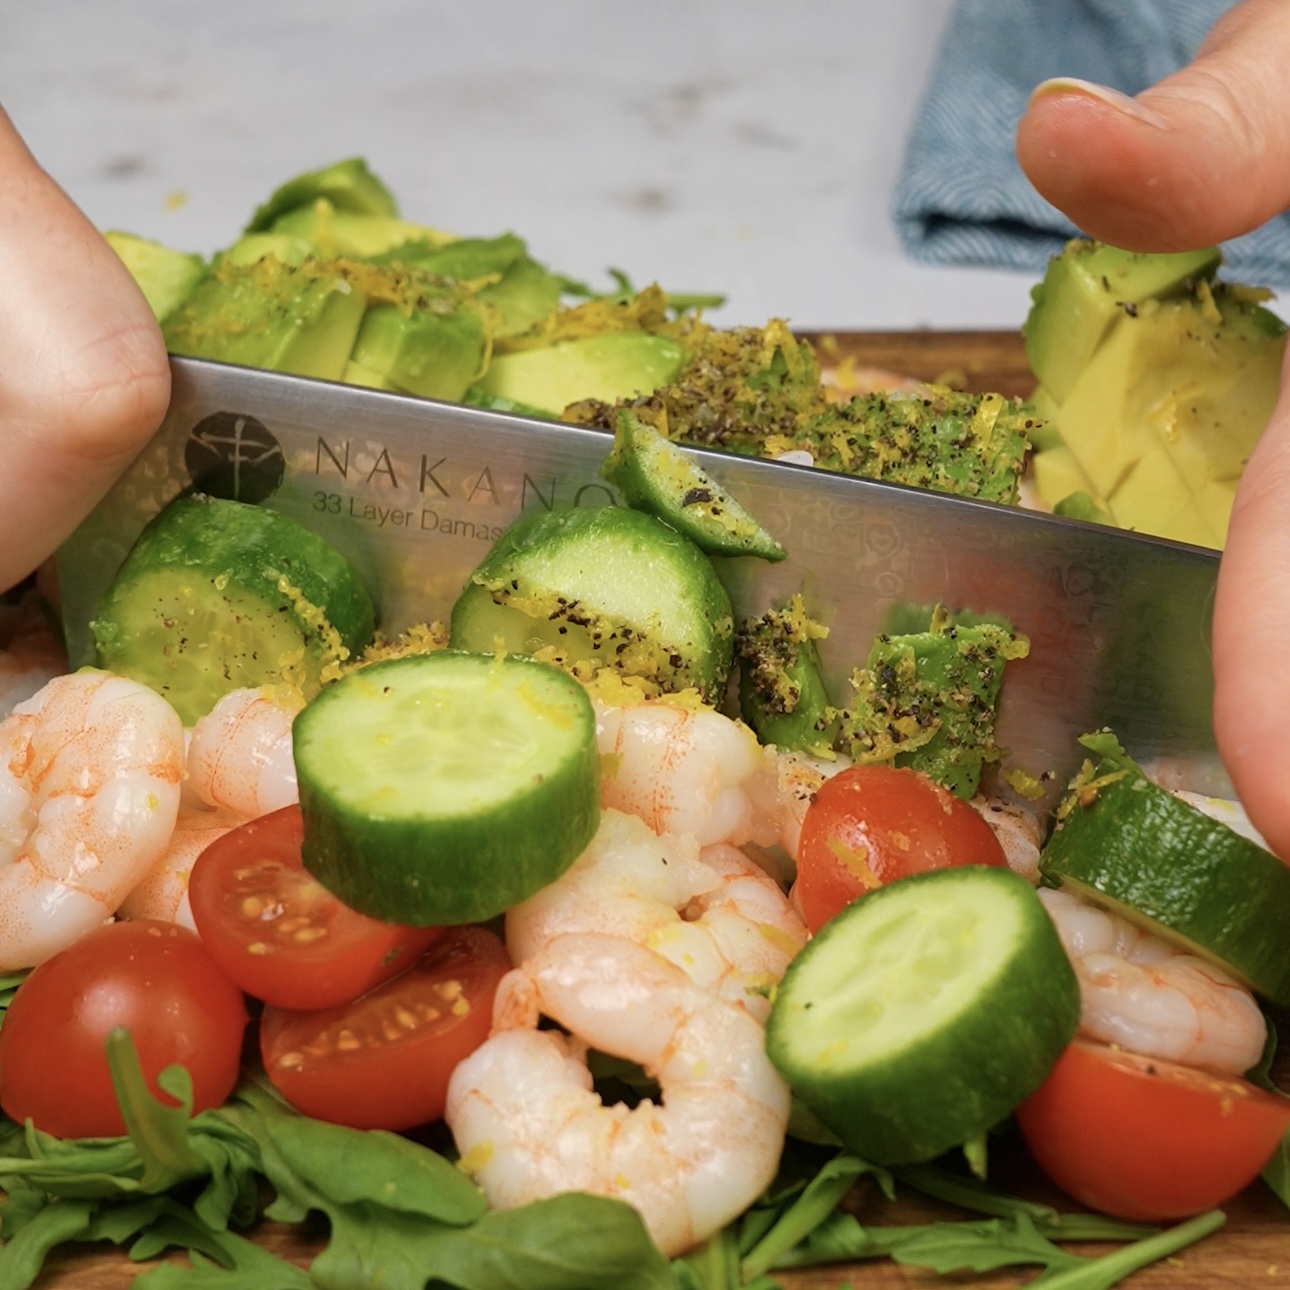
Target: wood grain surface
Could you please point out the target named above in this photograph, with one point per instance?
(1252, 1250)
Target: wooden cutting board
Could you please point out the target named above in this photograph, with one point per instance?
(1252, 1250)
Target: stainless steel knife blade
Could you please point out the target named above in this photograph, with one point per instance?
(415, 493)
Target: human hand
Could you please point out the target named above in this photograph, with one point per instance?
(84, 379)
(1202, 157)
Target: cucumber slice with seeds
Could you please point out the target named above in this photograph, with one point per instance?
(446, 787)
(216, 595)
(924, 1013)
(1127, 844)
(606, 584)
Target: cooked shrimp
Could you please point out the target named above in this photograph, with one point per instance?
(239, 756)
(528, 1123)
(163, 892)
(1150, 997)
(31, 653)
(713, 913)
(1019, 831)
(682, 770)
(89, 792)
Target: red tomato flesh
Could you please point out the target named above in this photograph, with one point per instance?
(280, 934)
(155, 979)
(384, 1061)
(870, 825)
(1149, 1140)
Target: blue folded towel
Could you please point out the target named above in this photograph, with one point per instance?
(962, 198)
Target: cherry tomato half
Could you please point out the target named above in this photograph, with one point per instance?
(384, 1061)
(279, 933)
(156, 980)
(1148, 1140)
(870, 825)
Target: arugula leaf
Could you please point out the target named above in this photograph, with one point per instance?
(1276, 1173)
(982, 1246)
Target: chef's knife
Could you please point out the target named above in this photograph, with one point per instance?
(415, 492)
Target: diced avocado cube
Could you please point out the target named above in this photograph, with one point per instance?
(1057, 474)
(251, 247)
(165, 276)
(617, 365)
(300, 319)
(429, 351)
(347, 185)
(333, 232)
(1084, 291)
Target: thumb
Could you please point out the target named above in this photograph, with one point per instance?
(1199, 158)
(1251, 630)
(84, 379)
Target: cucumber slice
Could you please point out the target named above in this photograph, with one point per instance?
(216, 595)
(607, 584)
(1138, 850)
(446, 787)
(923, 1014)
(655, 475)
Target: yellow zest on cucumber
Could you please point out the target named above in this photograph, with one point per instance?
(216, 595)
(1131, 846)
(446, 787)
(922, 1014)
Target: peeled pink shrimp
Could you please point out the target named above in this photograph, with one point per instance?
(163, 893)
(713, 913)
(1150, 997)
(528, 1123)
(239, 756)
(89, 793)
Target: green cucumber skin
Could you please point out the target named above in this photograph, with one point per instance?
(943, 1089)
(1167, 866)
(655, 475)
(624, 545)
(419, 878)
(205, 539)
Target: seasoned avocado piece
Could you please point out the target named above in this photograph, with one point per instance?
(347, 185)
(251, 247)
(782, 695)
(505, 277)
(165, 276)
(614, 366)
(1167, 412)
(332, 232)
(287, 318)
(928, 700)
(971, 445)
(432, 351)
(655, 475)
(1084, 291)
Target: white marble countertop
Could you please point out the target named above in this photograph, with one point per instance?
(742, 146)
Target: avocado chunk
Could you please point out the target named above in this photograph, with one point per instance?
(333, 232)
(782, 694)
(1164, 417)
(1084, 291)
(165, 276)
(928, 700)
(617, 365)
(286, 318)
(435, 350)
(347, 185)
(251, 247)
(519, 291)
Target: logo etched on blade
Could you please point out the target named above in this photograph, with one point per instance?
(234, 456)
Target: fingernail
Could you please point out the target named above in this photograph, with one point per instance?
(1130, 107)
